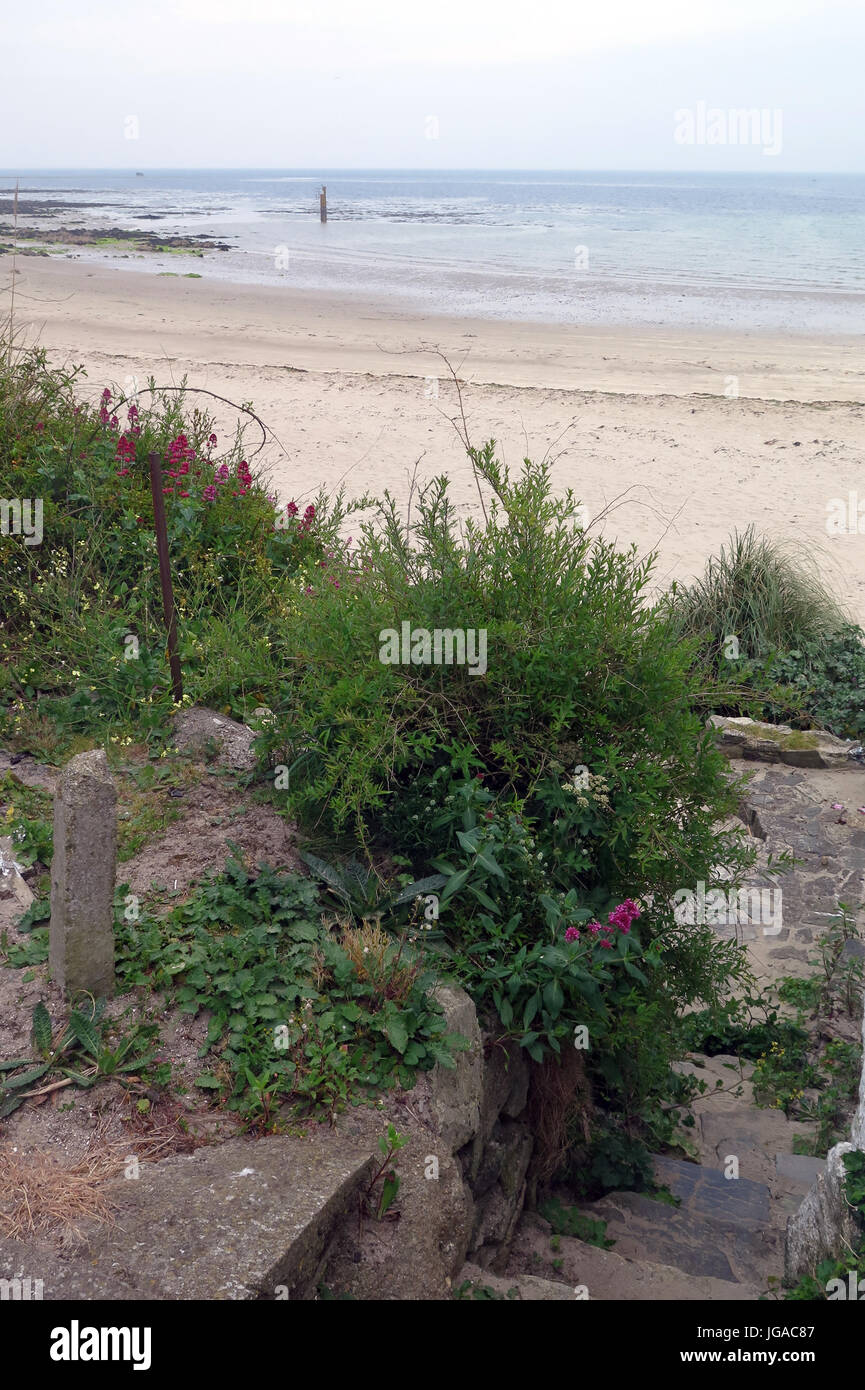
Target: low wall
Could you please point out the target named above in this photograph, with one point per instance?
(462, 1172)
(825, 1227)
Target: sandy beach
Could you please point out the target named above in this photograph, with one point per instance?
(689, 434)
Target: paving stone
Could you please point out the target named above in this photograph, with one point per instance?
(799, 1168)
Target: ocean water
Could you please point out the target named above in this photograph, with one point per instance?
(740, 251)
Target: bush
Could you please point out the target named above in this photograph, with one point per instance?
(95, 575)
(565, 793)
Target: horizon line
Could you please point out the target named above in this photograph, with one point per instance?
(316, 170)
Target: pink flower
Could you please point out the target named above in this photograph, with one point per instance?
(572, 934)
(605, 941)
(623, 915)
(209, 493)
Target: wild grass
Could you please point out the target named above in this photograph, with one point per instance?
(768, 594)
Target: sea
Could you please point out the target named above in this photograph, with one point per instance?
(746, 252)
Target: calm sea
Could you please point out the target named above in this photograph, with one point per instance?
(745, 251)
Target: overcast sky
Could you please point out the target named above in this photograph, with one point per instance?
(528, 84)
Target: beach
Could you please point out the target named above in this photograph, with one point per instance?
(683, 433)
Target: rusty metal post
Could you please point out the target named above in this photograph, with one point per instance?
(322, 202)
(165, 574)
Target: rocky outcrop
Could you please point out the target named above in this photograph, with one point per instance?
(779, 743)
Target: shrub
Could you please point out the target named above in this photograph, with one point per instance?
(95, 577)
(570, 780)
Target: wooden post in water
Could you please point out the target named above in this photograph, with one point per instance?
(165, 574)
(322, 202)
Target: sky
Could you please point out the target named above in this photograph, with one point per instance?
(438, 84)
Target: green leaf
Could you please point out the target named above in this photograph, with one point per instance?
(486, 859)
(84, 1032)
(390, 1188)
(454, 884)
(397, 1033)
(26, 1077)
(420, 888)
(532, 1007)
(484, 899)
(42, 1029)
(554, 997)
(208, 1082)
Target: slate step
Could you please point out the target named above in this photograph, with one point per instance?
(707, 1192)
(606, 1275)
(721, 1230)
(799, 1170)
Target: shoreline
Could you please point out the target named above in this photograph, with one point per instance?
(357, 394)
(322, 331)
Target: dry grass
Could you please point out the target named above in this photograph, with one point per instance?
(377, 961)
(560, 1101)
(40, 1195)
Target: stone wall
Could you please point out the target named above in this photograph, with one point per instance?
(824, 1227)
(462, 1173)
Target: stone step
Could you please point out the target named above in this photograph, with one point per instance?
(707, 1192)
(799, 1170)
(233, 1221)
(606, 1275)
(721, 1229)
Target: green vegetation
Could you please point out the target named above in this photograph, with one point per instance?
(85, 1050)
(568, 1221)
(801, 1065)
(771, 641)
(547, 806)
